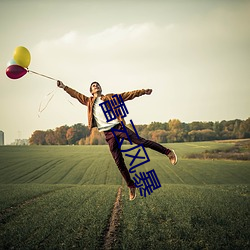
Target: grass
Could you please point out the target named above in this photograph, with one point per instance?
(240, 150)
(58, 165)
(65, 218)
(61, 197)
(188, 217)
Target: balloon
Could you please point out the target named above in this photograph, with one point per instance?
(11, 62)
(22, 56)
(15, 71)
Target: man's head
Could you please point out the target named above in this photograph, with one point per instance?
(95, 87)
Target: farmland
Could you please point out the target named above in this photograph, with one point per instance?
(62, 197)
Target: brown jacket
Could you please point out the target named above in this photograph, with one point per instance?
(89, 101)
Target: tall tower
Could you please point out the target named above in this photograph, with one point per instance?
(1, 138)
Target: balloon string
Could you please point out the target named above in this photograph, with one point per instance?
(31, 71)
(50, 96)
(71, 103)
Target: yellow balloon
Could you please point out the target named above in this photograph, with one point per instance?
(22, 56)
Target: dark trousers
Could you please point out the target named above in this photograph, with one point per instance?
(117, 154)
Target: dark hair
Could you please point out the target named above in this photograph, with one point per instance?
(90, 90)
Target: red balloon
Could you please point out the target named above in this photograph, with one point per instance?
(15, 71)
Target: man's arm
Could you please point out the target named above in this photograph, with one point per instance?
(136, 93)
(148, 91)
(80, 97)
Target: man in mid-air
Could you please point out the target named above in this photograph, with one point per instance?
(96, 118)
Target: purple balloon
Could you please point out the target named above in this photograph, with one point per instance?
(15, 71)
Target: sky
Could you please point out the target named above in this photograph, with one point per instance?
(195, 55)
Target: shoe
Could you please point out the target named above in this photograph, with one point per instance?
(172, 157)
(132, 193)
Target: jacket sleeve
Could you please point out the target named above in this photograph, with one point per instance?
(80, 97)
(132, 94)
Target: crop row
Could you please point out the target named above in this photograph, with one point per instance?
(65, 218)
(94, 165)
(188, 217)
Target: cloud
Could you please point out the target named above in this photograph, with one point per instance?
(114, 47)
(107, 38)
(115, 40)
(201, 41)
(119, 35)
(68, 38)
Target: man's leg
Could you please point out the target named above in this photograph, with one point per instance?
(119, 160)
(149, 144)
(146, 143)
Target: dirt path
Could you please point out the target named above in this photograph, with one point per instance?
(111, 235)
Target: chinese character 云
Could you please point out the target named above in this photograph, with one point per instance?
(124, 130)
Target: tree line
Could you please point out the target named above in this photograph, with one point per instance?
(172, 131)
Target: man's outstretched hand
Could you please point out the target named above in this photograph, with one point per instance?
(60, 84)
(148, 91)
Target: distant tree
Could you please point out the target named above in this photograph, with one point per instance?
(175, 133)
(81, 131)
(96, 137)
(159, 135)
(185, 130)
(77, 132)
(38, 138)
(145, 133)
(60, 134)
(94, 141)
(82, 142)
(156, 126)
(236, 128)
(86, 141)
(217, 129)
(196, 126)
(209, 125)
(202, 135)
(140, 128)
(174, 124)
(244, 129)
(70, 136)
(50, 137)
(142, 131)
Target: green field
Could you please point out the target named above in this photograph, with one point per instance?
(62, 197)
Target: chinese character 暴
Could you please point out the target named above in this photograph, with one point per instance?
(149, 180)
(114, 108)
